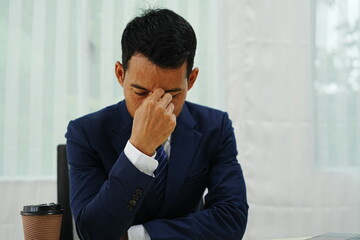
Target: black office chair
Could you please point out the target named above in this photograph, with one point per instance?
(63, 193)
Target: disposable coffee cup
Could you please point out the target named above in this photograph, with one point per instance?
(42, 222)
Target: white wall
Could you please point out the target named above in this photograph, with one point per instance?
(268, 66)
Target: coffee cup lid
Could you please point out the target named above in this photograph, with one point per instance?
(42, 209)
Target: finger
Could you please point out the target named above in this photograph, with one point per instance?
(170, 108)
(165, 100)
(173, 117)
(156, 95)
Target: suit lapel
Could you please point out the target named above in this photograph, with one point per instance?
(184, 144)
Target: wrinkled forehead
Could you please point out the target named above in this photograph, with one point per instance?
(143, 71)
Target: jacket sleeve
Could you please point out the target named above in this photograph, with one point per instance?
(100, 201)
(225, 212)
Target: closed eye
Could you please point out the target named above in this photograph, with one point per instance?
(141, 93)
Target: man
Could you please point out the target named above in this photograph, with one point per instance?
(139, 168)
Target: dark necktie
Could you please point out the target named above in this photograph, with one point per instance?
(161, 172)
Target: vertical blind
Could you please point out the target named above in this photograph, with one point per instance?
(57, 63)
(337, 83)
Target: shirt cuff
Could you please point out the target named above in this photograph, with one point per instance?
(138, 232)
(141, 161)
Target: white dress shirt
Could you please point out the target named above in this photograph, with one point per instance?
(147, 165)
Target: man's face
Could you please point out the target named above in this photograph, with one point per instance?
(143, 77)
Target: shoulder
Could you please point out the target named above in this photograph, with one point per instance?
(101, 116)
(97, 124)
(202, 114)
(215, 127)
(209, 121)
(197, 109)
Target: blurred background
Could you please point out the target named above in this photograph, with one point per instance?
(286, 71)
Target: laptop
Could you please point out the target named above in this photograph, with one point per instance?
(336, 236)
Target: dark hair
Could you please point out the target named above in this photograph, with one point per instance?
(162, 36)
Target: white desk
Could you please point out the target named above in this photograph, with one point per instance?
(334, 236)
(298, 238)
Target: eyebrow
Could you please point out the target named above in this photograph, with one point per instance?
(166, 91)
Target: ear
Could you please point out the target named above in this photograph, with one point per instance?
(120, 73)
(192, 77)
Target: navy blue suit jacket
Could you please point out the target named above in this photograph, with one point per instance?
(109, 194)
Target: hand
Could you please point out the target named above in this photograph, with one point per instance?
(153, 123)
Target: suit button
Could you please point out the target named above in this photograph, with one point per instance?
(132, 203)
(135, 197)
(138, 191)
(129, 208)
